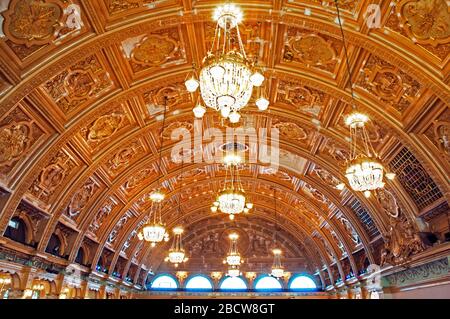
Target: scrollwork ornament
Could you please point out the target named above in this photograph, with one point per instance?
(32, 22)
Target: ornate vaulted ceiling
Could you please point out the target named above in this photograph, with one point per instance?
(81, 89)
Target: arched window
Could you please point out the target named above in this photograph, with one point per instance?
(17, 230)
(302, 282)
(199, 282)
(164, 282)
(267, 283)
(54, 245)
(233, 283)
(80, 256)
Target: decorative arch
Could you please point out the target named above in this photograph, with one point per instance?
(302, 282)
(199, 282)
(266, 282)
(164, 281)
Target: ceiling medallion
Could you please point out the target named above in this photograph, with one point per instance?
(364, 172)
(177, 254)
(231, 200)
(233, 259)
(227, 76)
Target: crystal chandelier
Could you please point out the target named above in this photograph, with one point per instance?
(233, 271)
(154, 230)
(277, 268)
(227, 76)
(364, 172)
(231, 200)
(233, 258)
(177, 254)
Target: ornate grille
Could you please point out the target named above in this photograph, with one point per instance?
(366, 220)
(414, 178)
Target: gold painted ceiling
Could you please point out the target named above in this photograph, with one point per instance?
(80, 86)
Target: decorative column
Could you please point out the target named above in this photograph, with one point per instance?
(181, 275)
(251, 276)
(216, 275)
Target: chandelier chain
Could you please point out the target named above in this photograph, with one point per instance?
(349, 71)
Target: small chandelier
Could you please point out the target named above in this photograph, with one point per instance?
(233, 271)
(177, 254)
(154, 231)
(233, 258)
(227, 76)
(277, 268)
(364, 172)
(231, 200)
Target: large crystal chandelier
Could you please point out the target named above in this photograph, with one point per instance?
(154, 230)
(231, 200)
(364, 171)
(233, 259)
(177, 254)
(227, 76)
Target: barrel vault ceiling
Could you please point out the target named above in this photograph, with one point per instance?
(80, 118)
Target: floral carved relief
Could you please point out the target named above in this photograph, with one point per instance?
(310, 49)
(302, 98)
(389, 84)
(112, 237)
(52, 176)
(81, 198)
(33, 22)
(138, 178)
(123, 158)
(427, 21)
(104, 127)
(155, 50)
(31, 26)
(84, 81)
(102, 215)
(14, 141)
(388, 201)
(350, 230)
(18, 134)
(291, 131)
(176, 94)
(442, 136)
